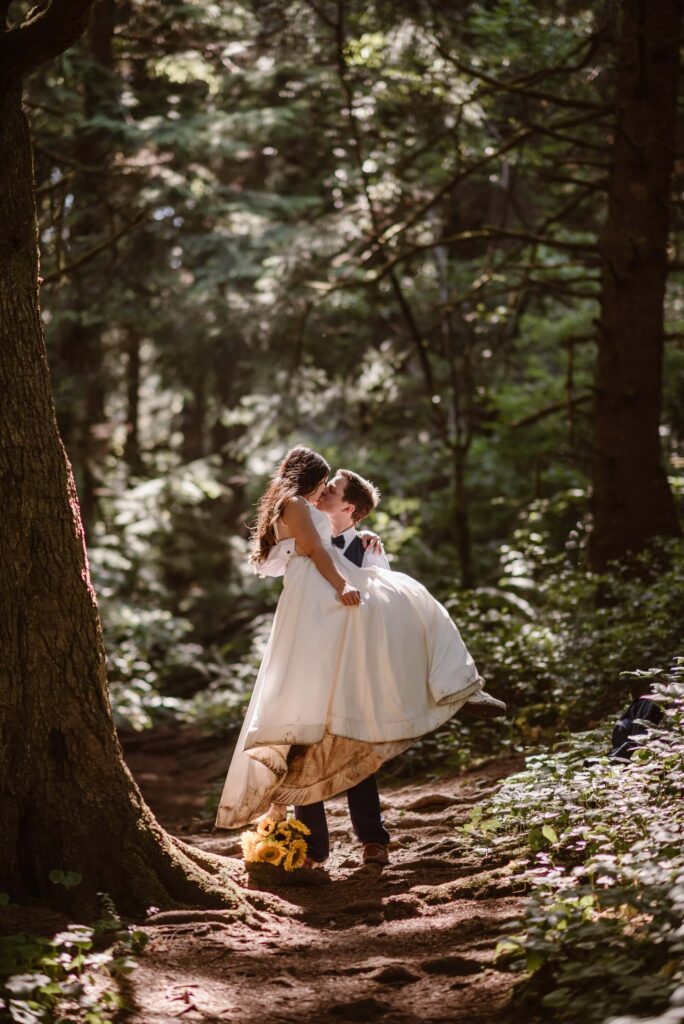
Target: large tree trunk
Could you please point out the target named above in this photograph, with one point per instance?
(68, 801)
(632, 502)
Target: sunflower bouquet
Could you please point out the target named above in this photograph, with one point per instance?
(279, 843)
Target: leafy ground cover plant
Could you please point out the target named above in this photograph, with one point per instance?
(600, 842)
(67, 977)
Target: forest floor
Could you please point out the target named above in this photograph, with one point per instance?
(411, 942)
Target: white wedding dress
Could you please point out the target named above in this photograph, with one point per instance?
(342, 689)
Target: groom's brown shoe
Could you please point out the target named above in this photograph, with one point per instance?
(375, 853)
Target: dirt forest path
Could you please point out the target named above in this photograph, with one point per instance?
(411, 942)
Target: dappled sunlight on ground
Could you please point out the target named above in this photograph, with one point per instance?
(412, 942)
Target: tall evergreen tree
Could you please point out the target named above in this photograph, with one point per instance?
(68, 800)
(632, 500)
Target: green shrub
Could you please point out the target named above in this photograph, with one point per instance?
(552, 639)
(43, 980)
(603, 861)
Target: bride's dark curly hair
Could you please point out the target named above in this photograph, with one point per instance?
(300, 472)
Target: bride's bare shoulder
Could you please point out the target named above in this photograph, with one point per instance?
(295, 510)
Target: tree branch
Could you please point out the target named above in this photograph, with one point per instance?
(378, 239)
(595, 42)
(541, 129)
(483, 234)
(519, 90)
(49, 187)
(559, 216)
(4, 10)
(560, 179)
(55, 275)
(541, 414)
(515, 88)
(559, 288)
(45, 34)
(564, 67)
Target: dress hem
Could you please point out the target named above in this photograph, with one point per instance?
(353, 729)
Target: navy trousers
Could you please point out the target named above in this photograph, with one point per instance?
(364, 811)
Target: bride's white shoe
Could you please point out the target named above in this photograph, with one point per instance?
(482, 705)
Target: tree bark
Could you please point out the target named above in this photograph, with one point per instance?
(68, 801)
(632, 501)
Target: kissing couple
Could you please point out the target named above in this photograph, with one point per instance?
(361, 662)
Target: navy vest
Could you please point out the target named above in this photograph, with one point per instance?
(355, 552)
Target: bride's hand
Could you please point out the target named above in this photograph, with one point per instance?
(349, 595)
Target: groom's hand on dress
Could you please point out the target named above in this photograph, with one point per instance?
(371, 542)
(349, 595)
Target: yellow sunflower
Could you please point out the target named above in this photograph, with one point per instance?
(270, 852)
(299, 826)
(249, 841)
(295, 858)
(266, 826)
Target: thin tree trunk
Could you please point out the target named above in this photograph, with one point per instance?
(132, 444)
(82, 421)
(68, 801)
(459, 419)
(84, 425)
(462, 517)
(193, 420)
(632, 501)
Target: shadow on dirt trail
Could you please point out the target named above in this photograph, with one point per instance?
(411, 942)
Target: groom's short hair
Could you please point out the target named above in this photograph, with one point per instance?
(360, 493)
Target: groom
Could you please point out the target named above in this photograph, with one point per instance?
(347, 500)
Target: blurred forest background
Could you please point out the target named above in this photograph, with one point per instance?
(372, 228)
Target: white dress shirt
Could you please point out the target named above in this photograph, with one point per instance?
(371, 558)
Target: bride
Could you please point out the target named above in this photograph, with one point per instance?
(359, 664)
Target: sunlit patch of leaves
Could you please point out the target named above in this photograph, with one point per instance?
(603, 862)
